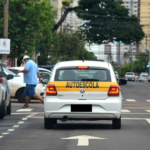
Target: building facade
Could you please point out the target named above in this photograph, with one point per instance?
(128, 52)
(144, 16)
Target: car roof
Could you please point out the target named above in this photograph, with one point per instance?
(19, 68)
(83, 63)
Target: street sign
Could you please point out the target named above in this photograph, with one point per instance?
(118, 62)
(83, 140)
(4, 46)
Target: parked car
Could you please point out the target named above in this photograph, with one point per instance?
(16, 69)
(143, 76)
(117, 75)
(130, 76)
(18, 86)
(5, 102)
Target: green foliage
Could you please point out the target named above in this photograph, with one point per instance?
(66, 3)
(30, 26)
(108, 21)
(123, 70)
(70, 47)
(140, 64)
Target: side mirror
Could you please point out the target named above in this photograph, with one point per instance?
(10, 76)
(122, 81)
(2, 74)
(45, 81)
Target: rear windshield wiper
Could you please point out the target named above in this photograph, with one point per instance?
(90, 80)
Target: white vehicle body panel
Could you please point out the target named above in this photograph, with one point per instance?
(103, 106)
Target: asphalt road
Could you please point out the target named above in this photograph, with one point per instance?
(24, 130)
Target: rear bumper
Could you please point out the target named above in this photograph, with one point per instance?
(101, 109)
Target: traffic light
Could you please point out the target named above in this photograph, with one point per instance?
(120, 41)
(147, 66)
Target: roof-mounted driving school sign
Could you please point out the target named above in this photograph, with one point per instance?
(4, 46)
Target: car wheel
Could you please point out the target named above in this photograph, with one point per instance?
(9, 109)
(148, 80)
(20, 96)
(2, 110)
(116, 123)
(48, 123)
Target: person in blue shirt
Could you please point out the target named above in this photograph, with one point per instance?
(31, 73)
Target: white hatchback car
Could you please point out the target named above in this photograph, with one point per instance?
(83, 90)
(18, 86)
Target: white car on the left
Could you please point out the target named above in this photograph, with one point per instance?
(17, 86)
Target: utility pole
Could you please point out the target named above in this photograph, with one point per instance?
(119, 51)
(5, 29)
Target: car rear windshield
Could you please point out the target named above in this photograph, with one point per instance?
(129, 73)
(74, 74)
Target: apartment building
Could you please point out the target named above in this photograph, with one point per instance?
(57, 4)
(72, 22)
(144, 15)
(133, 6)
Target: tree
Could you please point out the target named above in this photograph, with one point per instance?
(141, 62)
(105, 21)
(70, 47)
(30, 26)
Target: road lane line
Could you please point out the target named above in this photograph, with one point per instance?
(130, 100)
(10, 130)
(148, 100)
(24, 110)
(1, 137)
(147, 110)
(24, 118)
(148, 120)
(20, 113)
(125, 110)
(5, 133)
(20, 122)
(16, 126)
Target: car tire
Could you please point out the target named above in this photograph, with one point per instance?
(116, 123)
(20, 96)
(2, 110)
(9, 109)
(48, 123)
(148, 80)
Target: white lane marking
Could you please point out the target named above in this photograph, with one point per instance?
(148, 120)
(83, 140)
(5, 133)
(148, 100)
(24, 118)
(10, 130)
(147, 110)
(1, 137)
(125, 110)
(16, 126)
(20, 122)
(24, 110)
(20, 113)
(130, 100)
(28, 116)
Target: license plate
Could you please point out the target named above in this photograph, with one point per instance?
(81, 108)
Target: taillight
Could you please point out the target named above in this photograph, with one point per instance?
(125, 76)
(134, 76)
(113, 91)
(51, 90)
(1, 80)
